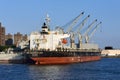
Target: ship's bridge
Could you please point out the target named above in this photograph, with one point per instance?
(45, 29)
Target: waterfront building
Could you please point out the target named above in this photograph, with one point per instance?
(25, 37)
(2, 35)
(17, 38)
(9, 39)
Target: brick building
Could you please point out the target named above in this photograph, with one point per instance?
(19, 37)
(2, 35)
(9, 39)
(25, 37)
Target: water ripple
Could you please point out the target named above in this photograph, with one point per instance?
(105, 69)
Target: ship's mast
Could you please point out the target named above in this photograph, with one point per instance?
(47, 21)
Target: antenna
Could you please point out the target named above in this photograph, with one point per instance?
(47, 19)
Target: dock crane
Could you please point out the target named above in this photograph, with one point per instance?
(93, 31)
(74, 22)
(85, 35)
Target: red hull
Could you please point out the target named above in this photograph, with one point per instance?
(64, 60)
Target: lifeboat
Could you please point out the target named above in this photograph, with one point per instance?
(64, 41)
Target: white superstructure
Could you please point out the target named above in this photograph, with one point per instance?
(48, 40)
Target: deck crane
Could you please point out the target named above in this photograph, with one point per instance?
(74, 22)
(87, 31)
(82, 24)
(78, 31)
(72, 40)
(94, 31)
(69, 30)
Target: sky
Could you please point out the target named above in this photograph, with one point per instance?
(25, 16)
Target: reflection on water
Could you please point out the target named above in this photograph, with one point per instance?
(51, 72)
(105, 69)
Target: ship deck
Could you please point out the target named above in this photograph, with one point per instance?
(64, 53)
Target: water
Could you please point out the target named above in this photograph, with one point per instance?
(105, 69)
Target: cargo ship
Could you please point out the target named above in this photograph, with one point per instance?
(52, 47)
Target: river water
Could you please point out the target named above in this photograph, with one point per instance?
(105, 69)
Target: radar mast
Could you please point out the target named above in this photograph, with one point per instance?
(47, 21)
